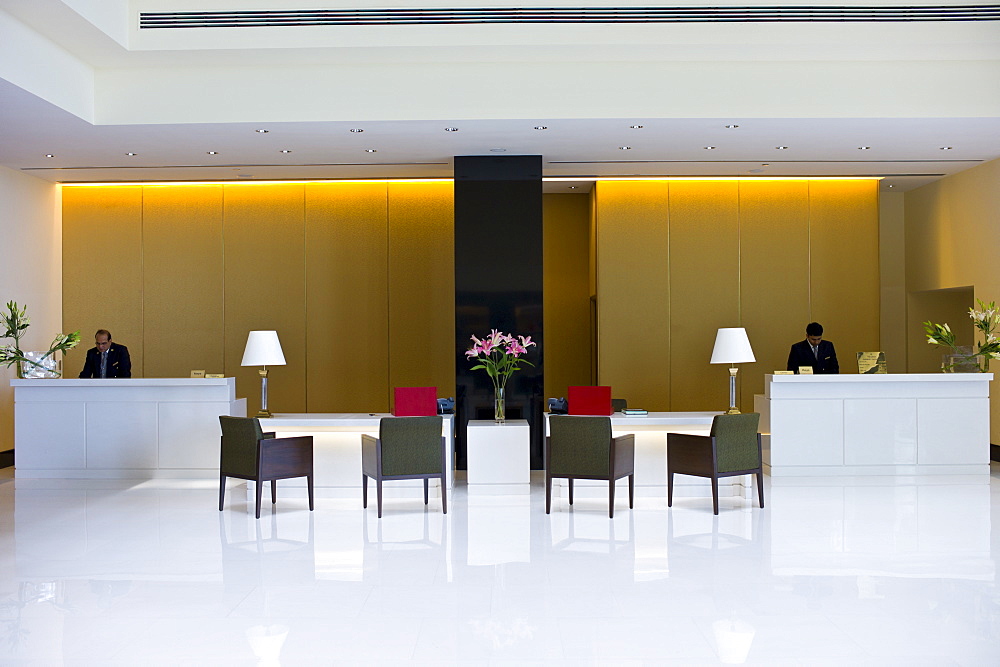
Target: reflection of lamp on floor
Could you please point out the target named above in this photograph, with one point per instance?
(732, 347)
(263, 349)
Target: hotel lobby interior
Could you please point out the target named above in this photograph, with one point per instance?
(182, 173)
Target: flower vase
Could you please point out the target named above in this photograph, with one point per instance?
(40, 365)
(499, 408)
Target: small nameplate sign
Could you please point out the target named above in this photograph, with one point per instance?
(784, 372)
(197, 374)
(805, 370)
(216, 375)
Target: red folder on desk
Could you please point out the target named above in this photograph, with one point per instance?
(589, 400)
(415, 402)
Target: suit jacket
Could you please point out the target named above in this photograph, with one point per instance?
(119, 363)
(801, 354)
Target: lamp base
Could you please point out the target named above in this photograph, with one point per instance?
(733, 411)
(263, 414)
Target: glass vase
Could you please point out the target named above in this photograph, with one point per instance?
(41, 365)
(499, 407)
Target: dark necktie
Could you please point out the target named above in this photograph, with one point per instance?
(104, 364)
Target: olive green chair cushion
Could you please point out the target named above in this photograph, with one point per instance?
(240, 436)
(736, 442)
(580, 446)
(410, 445)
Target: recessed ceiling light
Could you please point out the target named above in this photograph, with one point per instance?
(890, 185)
(213, 152)
(709, 148)
(731, 127)
(765, 164)
(624, 148)
(946, 148)
(572, 187)
(781, 148)
(356, 129)
(451, 129)
(371, 150)
(131, 154)
(261, 131)
(285, 150)
(498, 150)
(635, 127)
(541, 127)
(49, 155)
(864, 148)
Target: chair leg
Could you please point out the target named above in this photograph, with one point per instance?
(444, 497)
(670, 489)
(309, 484)
(715, 495)
(260, 493)
(570, 490)
(631, 491)
(274, 491)
(611, 498)
(548, 493)
(378, 495)
(222, 490)
(427, 482)
(760, 488)
(364, 490)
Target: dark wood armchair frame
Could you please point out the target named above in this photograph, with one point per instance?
(371, 466)
(621, 463)
(697, 455)
(276, 458)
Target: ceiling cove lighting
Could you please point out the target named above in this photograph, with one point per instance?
(546, 179)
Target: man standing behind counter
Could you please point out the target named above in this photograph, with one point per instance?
(106, 359)
(815, 352)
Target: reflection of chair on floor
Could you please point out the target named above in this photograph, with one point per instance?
(591, 534)
(406, 448)
(732, 448)
(582, 448)
(249, 453)
(260, 560)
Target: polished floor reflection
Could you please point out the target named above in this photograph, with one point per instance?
(831, 572)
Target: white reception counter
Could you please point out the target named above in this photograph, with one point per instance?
(898, 424)
(137, 428)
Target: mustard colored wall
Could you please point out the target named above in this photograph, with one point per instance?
(676, 260)
(181, 274)
(953, 241)
(102, 269)
(566, 291)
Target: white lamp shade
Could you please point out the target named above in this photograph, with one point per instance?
(732, 347)
(263, 349)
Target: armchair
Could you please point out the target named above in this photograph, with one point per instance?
(249, 453)
(732, 448)
(407, 448)
(582, 448)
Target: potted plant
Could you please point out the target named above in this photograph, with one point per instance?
(30, 364)
(499, 354)
(964, 358)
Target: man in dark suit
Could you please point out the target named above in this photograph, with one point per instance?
(815, 352)
(106, 359)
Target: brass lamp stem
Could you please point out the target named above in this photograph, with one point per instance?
(263, 412)
(733, 410)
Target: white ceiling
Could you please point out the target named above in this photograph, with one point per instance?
(581, 78)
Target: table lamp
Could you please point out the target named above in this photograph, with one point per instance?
(263, 349)
(732, 347)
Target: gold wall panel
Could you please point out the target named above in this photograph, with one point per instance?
(774, 276)
(422, 286)
(347, 302)
(183, 305)
(633, 292)
(566, 291)
(264, 230)
(844, 276)
(704, 276)
(102, 269)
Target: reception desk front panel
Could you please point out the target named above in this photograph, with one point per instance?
(121, 428)
(915, 424)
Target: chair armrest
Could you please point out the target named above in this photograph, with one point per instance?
(688, 441)
(624, 449)
(369, 455)
(295, 452)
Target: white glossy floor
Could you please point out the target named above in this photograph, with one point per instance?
(829, 573)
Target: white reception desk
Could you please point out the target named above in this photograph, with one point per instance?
(898, 424)
(136, 428)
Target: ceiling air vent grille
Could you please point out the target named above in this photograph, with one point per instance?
(776, 14)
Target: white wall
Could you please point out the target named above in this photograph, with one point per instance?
(30, 270)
